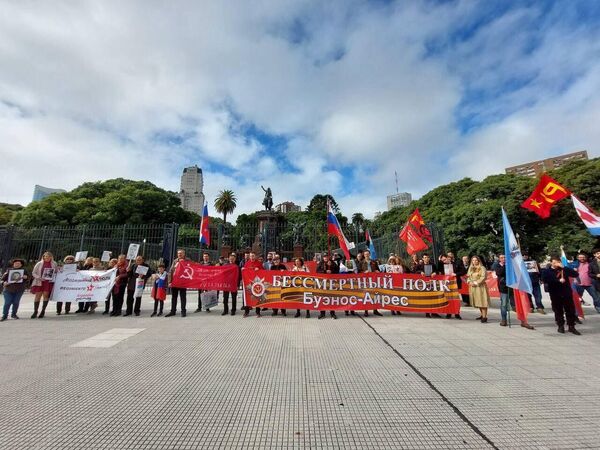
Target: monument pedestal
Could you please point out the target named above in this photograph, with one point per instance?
(266, 238)
(298, 251)
(225, 251)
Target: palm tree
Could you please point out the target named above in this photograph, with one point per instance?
(225, 203)
(358, 219)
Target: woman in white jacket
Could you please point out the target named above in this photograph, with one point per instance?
(44, 273)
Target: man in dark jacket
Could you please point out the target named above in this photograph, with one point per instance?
(327, 266)
(561, 295)
(277, 265)
(133, 275)
(500, 270)
(226, 294)
(594, 270)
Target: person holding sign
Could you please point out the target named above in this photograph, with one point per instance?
(68, 264)
(112, 263)
(205, 262)
(43, 280)
(13, 281)
(118, 291)
(137, 275)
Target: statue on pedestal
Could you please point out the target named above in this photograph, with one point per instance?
(268, 200)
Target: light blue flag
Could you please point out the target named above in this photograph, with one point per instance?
(517, 276)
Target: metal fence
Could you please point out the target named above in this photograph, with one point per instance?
(160, 241)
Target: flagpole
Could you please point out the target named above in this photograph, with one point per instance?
(328, 239)
(508, 308)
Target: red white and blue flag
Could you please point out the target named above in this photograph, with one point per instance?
(334, 228)
(204, 231)
(590, 219)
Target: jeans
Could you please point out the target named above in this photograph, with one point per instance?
(11, 298)
(537, 295)
(590, 290)
(504, 305)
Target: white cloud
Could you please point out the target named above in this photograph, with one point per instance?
(94, 90)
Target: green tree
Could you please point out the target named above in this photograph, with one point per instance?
(318, 204)
(116, 201)
(225, 203)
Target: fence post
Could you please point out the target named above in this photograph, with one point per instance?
(82, 239)
(40, 253)
(123, 239)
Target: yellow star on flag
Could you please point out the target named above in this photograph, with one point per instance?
(535, 203)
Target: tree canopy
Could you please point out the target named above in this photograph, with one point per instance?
(468, 212)
(116, 201)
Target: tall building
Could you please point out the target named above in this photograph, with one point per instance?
(190, 193)
(40, 192)
(399, 199)
(536, 168)
(287, 207)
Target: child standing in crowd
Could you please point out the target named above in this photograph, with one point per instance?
(43, 282)
(13, 289)
(159, 290)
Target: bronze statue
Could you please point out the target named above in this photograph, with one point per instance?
(268, 200)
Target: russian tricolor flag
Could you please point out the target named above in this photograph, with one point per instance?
(334, 228)
(590, 219)
(204, 231)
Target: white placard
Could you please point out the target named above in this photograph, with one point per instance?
(81, 256)
(428, 269)
(448, 269)
(132, 251)
(69, 268)
(15, 276)
(83, 286)
(142, 270)
(209, 299)
(106, 256)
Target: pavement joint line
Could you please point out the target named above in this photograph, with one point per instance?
(458, 412)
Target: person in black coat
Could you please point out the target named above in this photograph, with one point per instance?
(132, 277)
(327, 265)
(226, 294)
(557, 279)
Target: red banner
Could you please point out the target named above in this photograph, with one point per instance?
(397, 292)
(191, 275)
(491, 281)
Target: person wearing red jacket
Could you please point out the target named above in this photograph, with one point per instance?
(252, 264)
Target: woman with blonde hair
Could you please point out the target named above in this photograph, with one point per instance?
(478, 291)
(43, 281)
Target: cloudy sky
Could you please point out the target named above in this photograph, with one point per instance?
(304, 96)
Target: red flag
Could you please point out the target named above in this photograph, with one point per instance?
(414, 242)
(545, 195)
(417, 221)
(522, 305)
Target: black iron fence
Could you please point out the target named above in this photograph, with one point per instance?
(161, 241)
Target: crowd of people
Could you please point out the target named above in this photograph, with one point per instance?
(561, 281)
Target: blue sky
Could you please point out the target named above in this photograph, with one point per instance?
(304, 96)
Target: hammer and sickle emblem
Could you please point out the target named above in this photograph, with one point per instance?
(188, 273)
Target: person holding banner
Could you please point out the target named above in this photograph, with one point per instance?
(205, 262)
(43, 280)
(426, 268)
(13, 289)
(328, 266)
(137, 275)
(120, 286)
(177, 292)
(300, 267)
(68, 260)
(478, 291)
(394, 265)
(561, 294)
(112, 263)
(368, 265)
(231, 261)
(276, 265)
(252, 264)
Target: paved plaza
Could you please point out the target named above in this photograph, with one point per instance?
(208, 381)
